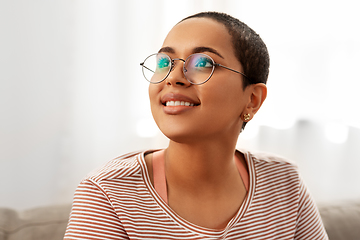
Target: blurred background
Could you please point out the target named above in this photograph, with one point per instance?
(72, 95)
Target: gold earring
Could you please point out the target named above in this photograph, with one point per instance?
(246, 117)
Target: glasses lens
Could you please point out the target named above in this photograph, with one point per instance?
(156, 67)
(198, 68)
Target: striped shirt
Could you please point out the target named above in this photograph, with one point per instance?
(118, 201)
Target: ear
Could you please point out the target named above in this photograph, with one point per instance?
(257, 94)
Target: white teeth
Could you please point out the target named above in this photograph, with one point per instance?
(179, 103)
(170, 103)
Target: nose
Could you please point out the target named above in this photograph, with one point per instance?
(176, 76)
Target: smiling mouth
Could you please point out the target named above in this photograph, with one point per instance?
(172, 100)
(178, 103)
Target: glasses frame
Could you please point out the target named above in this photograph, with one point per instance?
(172, 65)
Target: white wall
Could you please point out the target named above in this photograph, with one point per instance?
(36, 69)
(72, 95)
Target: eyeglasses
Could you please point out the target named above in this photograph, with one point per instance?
(198, 67)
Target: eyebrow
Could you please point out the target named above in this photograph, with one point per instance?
(167, 50)
(206, 49)
(195, 50)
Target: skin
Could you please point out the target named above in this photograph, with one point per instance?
(204, 185)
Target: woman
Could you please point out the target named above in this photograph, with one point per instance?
(206, 82)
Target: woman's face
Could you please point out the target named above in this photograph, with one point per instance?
(217, 104)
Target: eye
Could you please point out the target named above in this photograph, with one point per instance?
(163, 63)
(203, 62)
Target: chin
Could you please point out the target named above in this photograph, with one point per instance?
(180, 136)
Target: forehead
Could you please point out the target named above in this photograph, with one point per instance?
(199, 32)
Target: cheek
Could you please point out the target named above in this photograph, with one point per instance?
(153, 93)
(227, 98)
(154, 97)
(150, 90)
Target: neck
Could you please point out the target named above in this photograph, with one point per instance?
(205, 163)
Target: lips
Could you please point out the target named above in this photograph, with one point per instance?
(175, 99)
(177, 103)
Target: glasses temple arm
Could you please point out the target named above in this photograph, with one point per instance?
(142, 64)
(218, 64)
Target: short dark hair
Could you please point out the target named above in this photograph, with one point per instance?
(249, 48)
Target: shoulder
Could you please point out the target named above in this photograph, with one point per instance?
(269, 159)
(127, 165)
(272, 165)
